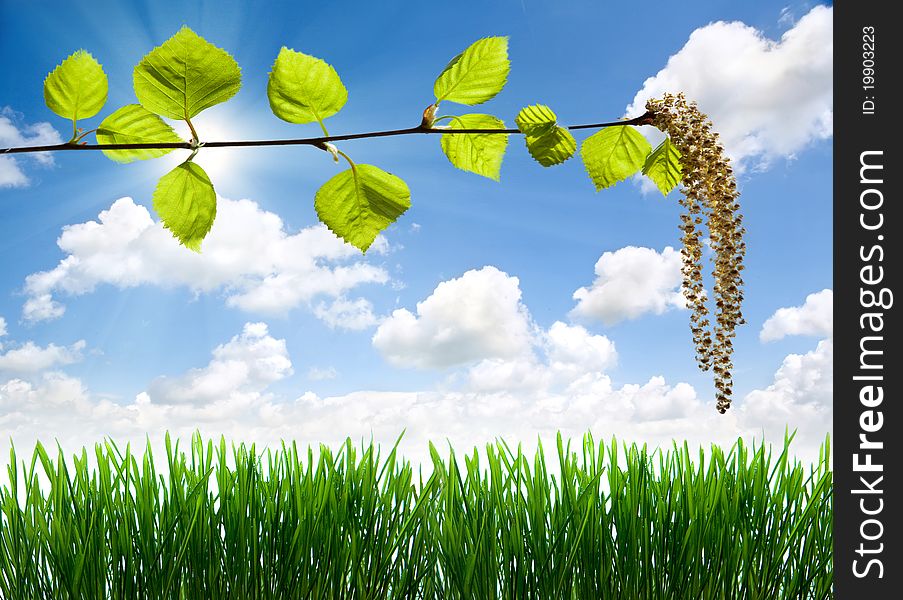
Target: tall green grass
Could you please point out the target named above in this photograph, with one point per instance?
(598, 521)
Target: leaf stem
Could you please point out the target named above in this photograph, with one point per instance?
(350, 163)
(82, 136)
(194, 134)
(645, 119)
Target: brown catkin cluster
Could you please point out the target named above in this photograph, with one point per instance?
(709, 194)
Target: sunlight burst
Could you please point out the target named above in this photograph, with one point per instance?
(219, 163)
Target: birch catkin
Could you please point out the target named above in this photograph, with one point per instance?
(709, 194)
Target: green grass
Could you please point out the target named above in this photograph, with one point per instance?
(596, 521)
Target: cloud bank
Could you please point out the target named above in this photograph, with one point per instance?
(541, 382)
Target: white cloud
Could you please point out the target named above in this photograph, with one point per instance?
(2, 327)
(767, 98)
(343, 313)
(544, 382)
(572, 350)
(321, 374)
(248, 256)
(787, 17)
(800, 397)
(230, 397)
(469, 417)
(802, 379)
(630, 282)
(478, 315)
(31, 358)
(802, 391)
(228, 394)
(562, 356)
(11, 174)
(238, 372)
(51, 395)
(815, 317)
(561, 386)
(42, 307)
(12, 135)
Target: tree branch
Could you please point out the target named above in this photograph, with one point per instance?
(645, 119)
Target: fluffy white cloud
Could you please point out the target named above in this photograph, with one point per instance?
(802, 391)
(802, 379)
(767, 98)
(815, 317)
(248, 256)
(573, 351)
(800, 396)
(238, 372)
(11, 174)
(478, 315)
(562, 356)
(31, 358)
(343, 313)
(2, 327)
(53, 392)
(11, 135)
(630, 282)
(228, 394)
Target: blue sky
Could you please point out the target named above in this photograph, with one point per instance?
(761, 74)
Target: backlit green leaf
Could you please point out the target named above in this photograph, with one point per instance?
(477, 74)
(134, 124)
(614, 154)
(304, 89)
(479, 153)
(663, 166)
(185, 75)
(77, 88)
(536, 120)
(186, 203)
(359, 203)
(547, 143)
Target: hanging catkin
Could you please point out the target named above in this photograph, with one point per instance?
(709, 194)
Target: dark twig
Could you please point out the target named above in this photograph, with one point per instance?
(314, 141)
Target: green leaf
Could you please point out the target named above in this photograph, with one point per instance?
(552, 148)
(304, 89)
(547, 143)
(477, 74)
(186, 203)
(479, 153)
(663, 166)
(359, 203)
(536, 120)
(185, 75)
(134, 124)
(614, 154)
(77, 87)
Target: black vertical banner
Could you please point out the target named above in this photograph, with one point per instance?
(868, 438)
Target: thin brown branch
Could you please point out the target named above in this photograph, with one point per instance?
(313, 141)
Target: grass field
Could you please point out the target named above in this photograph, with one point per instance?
(587, 521)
